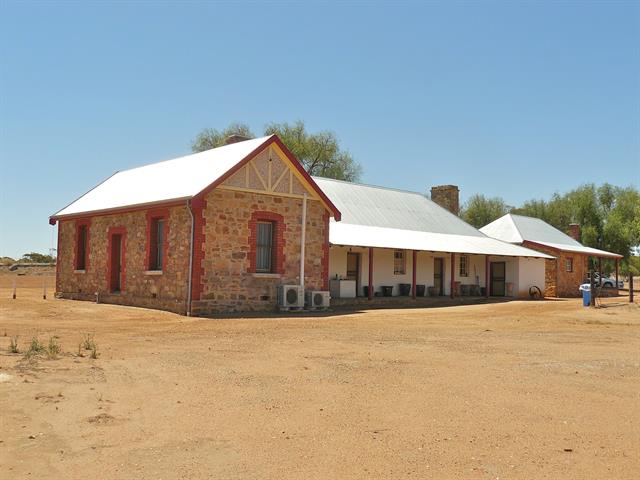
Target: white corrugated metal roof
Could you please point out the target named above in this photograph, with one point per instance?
(390, 208)
(176, 179)
(518, 228)
(387, 218)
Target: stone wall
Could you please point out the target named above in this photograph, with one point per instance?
(166, 291)
(550, 277)
(559, 282)
(227, 282)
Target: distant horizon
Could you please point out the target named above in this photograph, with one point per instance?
(517, 101)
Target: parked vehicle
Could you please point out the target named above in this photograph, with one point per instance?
(604, 281)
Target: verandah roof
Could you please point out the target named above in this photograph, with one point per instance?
(351, 235)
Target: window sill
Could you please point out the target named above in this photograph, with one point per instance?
(153, 272)
(266, 275)
(79, 271)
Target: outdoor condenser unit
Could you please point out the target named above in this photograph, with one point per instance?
(290, 297)
(316, 299)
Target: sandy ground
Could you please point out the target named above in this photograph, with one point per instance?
(517, 390)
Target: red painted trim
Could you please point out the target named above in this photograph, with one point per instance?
(85, 222)
(152, 215)
(278, 247)
(370, 273)
(117, 211)
(294, 161)
(58, 260)
(325, 252)
(413, 279)
(197, 286)
(487, 281)
(453, 272)
(110, 233)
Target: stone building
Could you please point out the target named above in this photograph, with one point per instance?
(568, 270)
(216, 231)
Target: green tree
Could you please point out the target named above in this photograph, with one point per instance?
(211, 138)
(319, 153)
(34, 257)
(480, 210)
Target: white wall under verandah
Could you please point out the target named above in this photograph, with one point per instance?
(521, 272)
(383, 271)
(530, 273)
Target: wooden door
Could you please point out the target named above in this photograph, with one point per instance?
(498, 279)
(438, 275)
(353, 268)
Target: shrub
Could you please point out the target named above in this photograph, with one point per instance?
(54, 348)
(88, 342)
(35, 348)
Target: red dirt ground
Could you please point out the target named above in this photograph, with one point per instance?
(516, 390)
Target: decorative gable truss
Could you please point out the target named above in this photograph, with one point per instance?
(271, 173)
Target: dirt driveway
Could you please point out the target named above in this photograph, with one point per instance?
(516, 390)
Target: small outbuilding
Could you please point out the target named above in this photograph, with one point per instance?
(569, 268)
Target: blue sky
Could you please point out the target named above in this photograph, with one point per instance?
(511, 99)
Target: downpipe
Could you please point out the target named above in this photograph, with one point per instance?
(303, 238)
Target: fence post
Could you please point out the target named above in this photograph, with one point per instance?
(630, 287)
(14, 288)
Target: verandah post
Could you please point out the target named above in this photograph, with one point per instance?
(486, 276)
(413, 283)
(453, 271)
(370, 292)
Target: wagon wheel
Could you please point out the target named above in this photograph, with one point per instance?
(535, 293)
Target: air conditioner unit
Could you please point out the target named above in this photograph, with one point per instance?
(316, 299)
(290, 297)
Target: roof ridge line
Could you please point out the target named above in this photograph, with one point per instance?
(522, 239)
(380, 187)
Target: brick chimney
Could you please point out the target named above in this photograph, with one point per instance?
(235, 138)
(574, 231)
(447, 196)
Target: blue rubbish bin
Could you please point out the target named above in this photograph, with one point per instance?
(586, 294)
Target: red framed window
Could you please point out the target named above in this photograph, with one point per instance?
(81, 261)
(568, 264)
(157, 235)
(266, 243)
